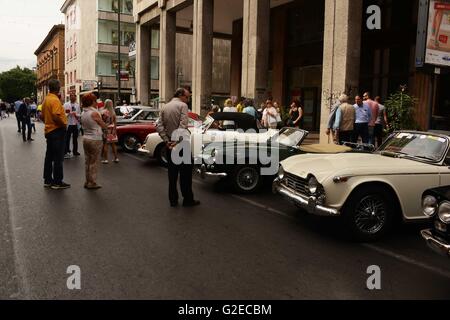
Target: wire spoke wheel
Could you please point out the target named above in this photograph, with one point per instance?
(370, 214)
(247, 178)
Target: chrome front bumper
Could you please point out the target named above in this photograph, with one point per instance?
(204, 173)
(310, 204)
(436, 244)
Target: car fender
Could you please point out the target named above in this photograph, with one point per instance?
(406, 187)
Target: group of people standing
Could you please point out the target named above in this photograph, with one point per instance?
(364, 120)
(62, 125)
(269, 112)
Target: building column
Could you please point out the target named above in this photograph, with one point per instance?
(202, 68)
(255, 49)
(279, 46)
(341, 56)
(236, 59)
(143, 64)
(167, 55)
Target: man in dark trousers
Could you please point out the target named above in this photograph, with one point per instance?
(24, 115)
(55, 119)
(173, 122)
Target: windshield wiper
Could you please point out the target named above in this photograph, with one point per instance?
(425, 158)
(390, 154)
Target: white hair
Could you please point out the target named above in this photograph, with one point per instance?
(343, 98)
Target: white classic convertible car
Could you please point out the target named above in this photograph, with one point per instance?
(369, 191)
(245, 128)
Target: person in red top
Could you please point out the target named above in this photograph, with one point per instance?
(374, 109)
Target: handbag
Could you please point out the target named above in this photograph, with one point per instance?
(111, 136)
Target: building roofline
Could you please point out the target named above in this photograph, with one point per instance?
(49, 36)
(65, 5)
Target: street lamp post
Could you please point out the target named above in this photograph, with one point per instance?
(118, 53)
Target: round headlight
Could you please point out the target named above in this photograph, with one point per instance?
(444, 212)
(281, 173)
(429, 206)
(313, 185)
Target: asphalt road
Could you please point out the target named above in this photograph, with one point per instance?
(129, 244)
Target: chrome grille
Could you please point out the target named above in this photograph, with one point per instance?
(295, 183)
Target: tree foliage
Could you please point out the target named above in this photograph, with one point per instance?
(400, 111)
(17, 83)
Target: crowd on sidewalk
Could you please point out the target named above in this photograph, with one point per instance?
(364, 121)
(269, 113)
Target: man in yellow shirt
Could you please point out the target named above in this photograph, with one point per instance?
(55, 119)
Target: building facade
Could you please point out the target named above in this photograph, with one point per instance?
(92, 48)
(50, 61)
(295, 49)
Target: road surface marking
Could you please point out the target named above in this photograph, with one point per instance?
(24, 287)
(405, 259)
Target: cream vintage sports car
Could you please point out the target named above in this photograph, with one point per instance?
(369, 190)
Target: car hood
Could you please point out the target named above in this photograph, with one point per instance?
(353, 164)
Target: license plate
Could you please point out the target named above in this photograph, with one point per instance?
(312, 205)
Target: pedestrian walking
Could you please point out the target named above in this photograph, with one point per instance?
(362, 118)
(241, 104)
(270, 116)
(228, 107)
(250, 108)
(295, 114)
(331, 120)
(93, 127)
(345, 121)
(381, 123)
(33, 110)
(174, 121)
(110, 118)
(3, 110)
(24, 115)
(55, 120)
(17, 105)
(73, 113)
(374, 109)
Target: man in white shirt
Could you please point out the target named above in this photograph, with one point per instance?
(73, 113)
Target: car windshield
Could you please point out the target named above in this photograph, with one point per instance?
(148, 115)
(415, 145)
(289, 137)
(207, 123)
(127, 112)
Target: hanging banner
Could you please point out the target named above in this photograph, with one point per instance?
(438, 39)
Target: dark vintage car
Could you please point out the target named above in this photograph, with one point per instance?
(436, 204)
(246, 163)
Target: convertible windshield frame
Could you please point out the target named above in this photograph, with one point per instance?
(416, 157)
(277, 137)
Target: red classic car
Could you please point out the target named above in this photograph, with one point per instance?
(132, 135)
